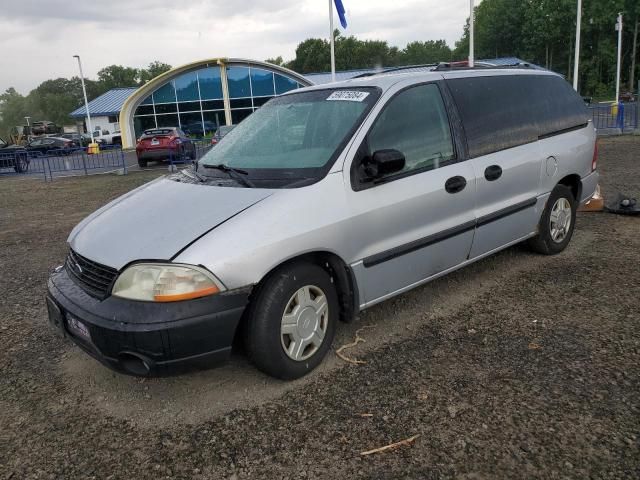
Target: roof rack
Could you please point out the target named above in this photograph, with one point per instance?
(396, 69)
(447, 66)
(478, 66)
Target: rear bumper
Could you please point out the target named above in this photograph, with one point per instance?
(156, 154)
(146, 338)
(589, 184)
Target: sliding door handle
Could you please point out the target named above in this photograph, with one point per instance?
(493, 172)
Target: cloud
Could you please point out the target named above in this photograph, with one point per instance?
(40, 38)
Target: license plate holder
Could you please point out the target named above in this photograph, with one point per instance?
(56, 317)
(155, 141)
(77, 328)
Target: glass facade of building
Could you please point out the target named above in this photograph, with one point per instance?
(194, 101)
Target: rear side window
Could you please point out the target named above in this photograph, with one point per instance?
(415, 123)
(509, 110)
(557, 107)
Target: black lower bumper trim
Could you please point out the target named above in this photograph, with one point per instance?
(147, 338)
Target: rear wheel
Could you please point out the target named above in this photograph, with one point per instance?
(556, 223)
(142, 163)
(292, 321)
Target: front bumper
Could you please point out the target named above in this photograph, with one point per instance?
(147, 338)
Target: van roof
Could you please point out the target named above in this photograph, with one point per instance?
(386, 79)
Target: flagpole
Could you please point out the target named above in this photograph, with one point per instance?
(333, 43)
(576, 60)
(471, 57)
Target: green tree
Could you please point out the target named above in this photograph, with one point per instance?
(498, 28)
(312, 55)
(115, 76)
(154, 69)
(543, 32)
(13, 108)
(54, 99)
(431, 51)
(275, 61)
(461, 48)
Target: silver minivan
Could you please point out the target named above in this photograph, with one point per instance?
(324, 202)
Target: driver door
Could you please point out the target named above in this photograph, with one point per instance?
(415, 223)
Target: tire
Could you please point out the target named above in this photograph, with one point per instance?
(552, 239)
(142, 163)
(267, 340)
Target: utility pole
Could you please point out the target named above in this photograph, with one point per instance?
(86, 102)
(619, 29)
(576, 60)
(634, 51)
(471, 54)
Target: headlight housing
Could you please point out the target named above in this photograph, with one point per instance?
(160, 282)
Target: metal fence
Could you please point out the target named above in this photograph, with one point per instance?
(202, 147)
(615, 118)
(62, 162)
(66, 162)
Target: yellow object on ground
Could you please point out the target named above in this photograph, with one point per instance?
(93, 148)
(595, 203)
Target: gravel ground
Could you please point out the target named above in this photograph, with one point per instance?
(519, 366)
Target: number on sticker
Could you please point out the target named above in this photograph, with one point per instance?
(348, 95)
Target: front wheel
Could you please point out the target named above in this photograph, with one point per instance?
(292, 321)
(556, 223)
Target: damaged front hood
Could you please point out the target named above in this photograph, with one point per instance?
(157, 220)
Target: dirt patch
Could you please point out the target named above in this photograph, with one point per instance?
(519, 366)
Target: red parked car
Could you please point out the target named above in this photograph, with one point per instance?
(166, 143)
(220, 133)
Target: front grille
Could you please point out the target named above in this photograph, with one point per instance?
(92, 277)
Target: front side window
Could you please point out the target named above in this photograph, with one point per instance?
(415, 123)
(294, 136)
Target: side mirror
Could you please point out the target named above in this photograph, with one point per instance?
(383, 162)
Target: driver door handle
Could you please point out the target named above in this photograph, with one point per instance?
(455, 184)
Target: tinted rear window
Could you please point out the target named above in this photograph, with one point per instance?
(508, 110)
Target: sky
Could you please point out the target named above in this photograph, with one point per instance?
(39, 38)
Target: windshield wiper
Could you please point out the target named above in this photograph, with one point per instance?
(235, 173)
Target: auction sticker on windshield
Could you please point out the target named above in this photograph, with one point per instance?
(348, 95)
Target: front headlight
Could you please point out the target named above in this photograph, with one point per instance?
(158, 282)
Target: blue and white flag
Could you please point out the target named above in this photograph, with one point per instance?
(341, 13)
